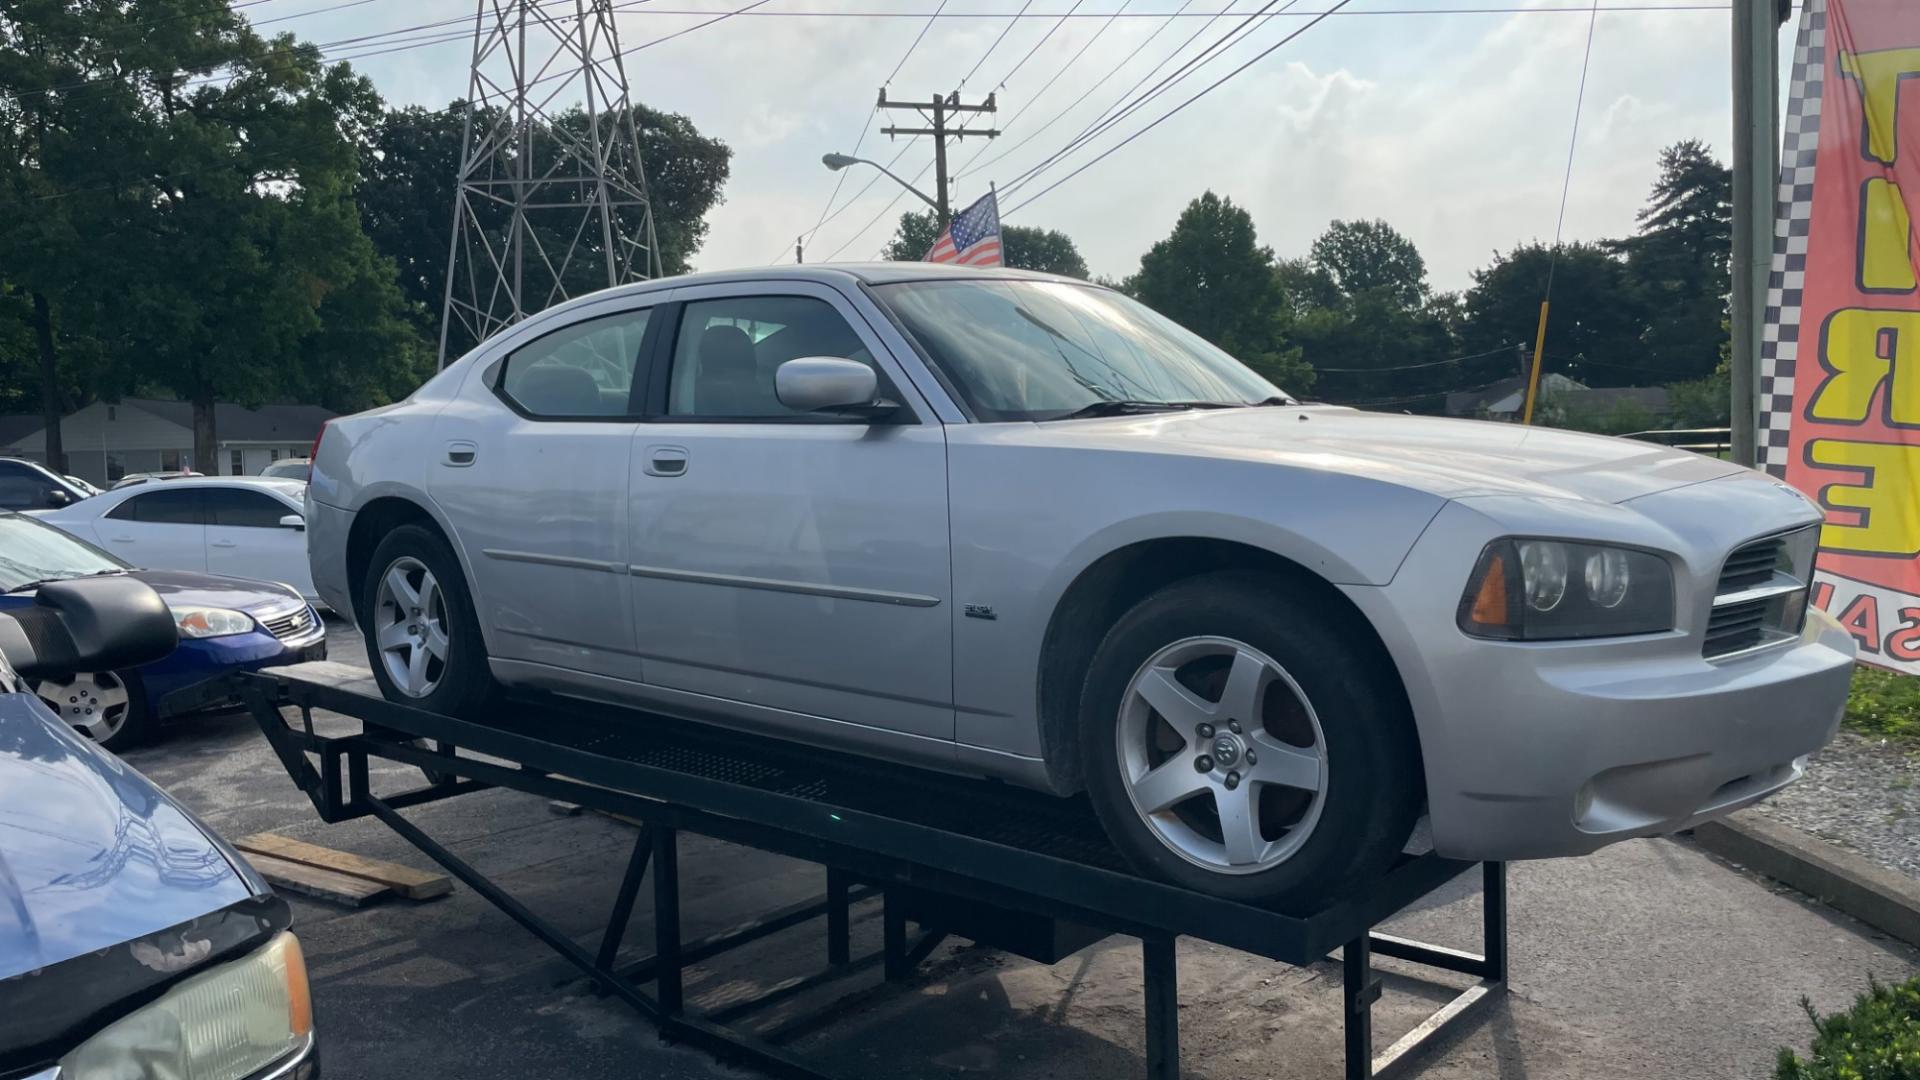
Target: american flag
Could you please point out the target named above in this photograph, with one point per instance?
(973, 239)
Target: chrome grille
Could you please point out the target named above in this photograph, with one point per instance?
(1761, 596)
(296, 623)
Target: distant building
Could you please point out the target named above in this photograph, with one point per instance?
(107, 440)
(1507, 399)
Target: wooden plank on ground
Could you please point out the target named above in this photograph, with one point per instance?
(405, 880)
(314, 881)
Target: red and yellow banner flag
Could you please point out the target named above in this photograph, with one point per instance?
(1840, 363)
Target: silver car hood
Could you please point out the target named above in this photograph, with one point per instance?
(1452, 459)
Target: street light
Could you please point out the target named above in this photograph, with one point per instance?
(836, 162)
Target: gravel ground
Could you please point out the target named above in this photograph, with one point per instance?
(1861, 793)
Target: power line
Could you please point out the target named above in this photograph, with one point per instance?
(1004, 31)
(1413, 367)
(918, 38)
(1008, 77)
(1213, 51)
(1177, 109)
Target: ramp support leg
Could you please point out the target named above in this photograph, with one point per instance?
(666, 920)
(893, 939)
(839, 936)
(623, 902)
(1163, 1008)
(1360, 988)
(1494, 911)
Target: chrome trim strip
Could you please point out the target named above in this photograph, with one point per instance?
(568, 561)
(1775, 638)
(286, 1066)
(1782, 587)
(741, 581)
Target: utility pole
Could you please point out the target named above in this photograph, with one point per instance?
(1756, 178)
(937, 111)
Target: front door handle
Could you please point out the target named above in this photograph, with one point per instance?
(666, 460)
(221, 543)
(460, 453)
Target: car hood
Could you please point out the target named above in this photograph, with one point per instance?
(92, 853)
(1450, 458)
(185, 588)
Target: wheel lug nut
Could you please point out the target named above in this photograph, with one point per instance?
(1205, 731)
(1252, 758)
(1233, 780)
(1233, 726)
(1203, 763)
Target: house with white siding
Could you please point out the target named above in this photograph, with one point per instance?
(107, 440)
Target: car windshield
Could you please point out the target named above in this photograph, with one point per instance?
(31, 552)
(1045, 350)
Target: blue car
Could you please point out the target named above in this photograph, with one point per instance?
(226, 624)
(134, 943)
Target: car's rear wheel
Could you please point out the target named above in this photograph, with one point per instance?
(1239, 742)
(109, 707)
(423, 639)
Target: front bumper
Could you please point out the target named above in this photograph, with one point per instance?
(192, 676)
(1542, 749)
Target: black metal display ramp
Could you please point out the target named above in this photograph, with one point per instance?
(1007, 868)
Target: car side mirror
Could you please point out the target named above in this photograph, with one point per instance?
(830, 384)
(57, 498)
(87, 624)
(293, 521)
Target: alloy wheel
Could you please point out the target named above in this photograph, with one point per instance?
(411, 630)
(1222, 755)
(95, 704)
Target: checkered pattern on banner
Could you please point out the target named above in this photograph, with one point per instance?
(1793, 221)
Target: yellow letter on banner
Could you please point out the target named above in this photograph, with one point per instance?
(1889, 501)
(1886, 261)
(1880, 74)
(1864, 348)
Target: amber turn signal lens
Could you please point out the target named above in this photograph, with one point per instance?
(1490, 600)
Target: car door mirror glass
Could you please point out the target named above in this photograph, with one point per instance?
(829, 384)
(293, 521)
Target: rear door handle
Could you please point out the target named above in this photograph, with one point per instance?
(666, 460)
(461, 453)
(221, 543)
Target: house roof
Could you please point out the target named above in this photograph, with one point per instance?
(17, 426)
(268, 423)
(1470, 402)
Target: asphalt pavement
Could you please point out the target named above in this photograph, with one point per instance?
(1649, 959)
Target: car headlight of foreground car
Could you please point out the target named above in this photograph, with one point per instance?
(1541, 590)
(223, 1024)
(206, 622)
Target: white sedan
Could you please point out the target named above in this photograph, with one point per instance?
(238, 526)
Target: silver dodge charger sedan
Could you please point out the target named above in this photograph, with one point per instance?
(1020, 526)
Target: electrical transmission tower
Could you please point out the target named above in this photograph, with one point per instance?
(552, 197)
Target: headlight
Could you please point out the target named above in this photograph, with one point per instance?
(1541, 590)
(222, 1024)
(204, 622)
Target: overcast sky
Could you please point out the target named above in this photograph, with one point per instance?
(1451, 126)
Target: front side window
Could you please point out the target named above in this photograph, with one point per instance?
(243, 509)
(727, 351)
(1040, 350)
(584, 370)
(23, 488)
(31, 551)
(177, 507)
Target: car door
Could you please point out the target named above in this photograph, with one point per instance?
(531, 471)
(795, 564)
(160, 528)
(245, 538)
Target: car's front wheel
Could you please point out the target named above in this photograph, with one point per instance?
(1238, 741)
(423, 639)
(109, 707)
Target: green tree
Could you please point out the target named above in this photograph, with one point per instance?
(1214, 277)
(1678, 262)
(1371, 256)
(1595, 323)
(1023, 248)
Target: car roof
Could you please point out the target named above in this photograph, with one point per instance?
(290, 488)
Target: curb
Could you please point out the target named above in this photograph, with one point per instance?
(1885, 900)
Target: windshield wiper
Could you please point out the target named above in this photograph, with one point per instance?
(1129, 407)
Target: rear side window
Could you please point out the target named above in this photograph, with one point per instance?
(176, 507)
(584, 370)
(245, 509)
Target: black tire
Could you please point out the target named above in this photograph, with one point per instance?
(75, 701)
(1372, 786)
(465, 686)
